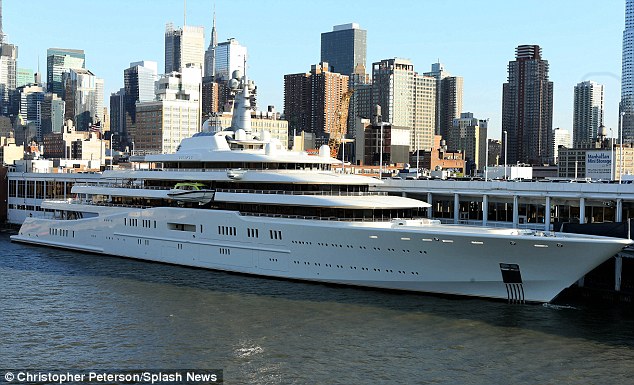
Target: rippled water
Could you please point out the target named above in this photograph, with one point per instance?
(63, 310)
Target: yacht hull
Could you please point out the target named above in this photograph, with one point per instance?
(405, 255)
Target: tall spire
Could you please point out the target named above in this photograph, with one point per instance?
(210, 54)
(214, 37)
(184, 13)
(1, 33)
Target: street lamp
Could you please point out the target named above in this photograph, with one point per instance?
(381, 124)
(112, 134)
(506, 145)
(486, 153)
(343, 153)
(621, 153)
(613, 163)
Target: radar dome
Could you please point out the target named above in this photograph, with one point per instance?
(237, 74)
(205, 126)
(270, 149)
(240, 135)
(234, 83)
(324, 151)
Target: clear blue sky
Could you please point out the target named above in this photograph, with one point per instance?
(581, 39)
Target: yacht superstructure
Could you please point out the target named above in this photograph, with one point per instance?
(259, 209)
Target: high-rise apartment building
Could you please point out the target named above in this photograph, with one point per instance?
(29, 98)
(138, 82)
(449, 90)
(8, 78)
(8, 71)
(184, 46)
(118, 134)
(311, 99)
(297, 102)
(344, 48)
(627, 76)
(407, 99)
(561, 138)
(588, 114)
(527, 108)
(469, 134)
(58, 61)
(359, 80)
(52, 114)
(83, 95)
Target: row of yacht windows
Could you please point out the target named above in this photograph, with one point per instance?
(61, 232)
(362, 268)
(39, 189)
(227, 230)
(247, 166)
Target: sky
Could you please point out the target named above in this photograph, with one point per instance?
(581, 39)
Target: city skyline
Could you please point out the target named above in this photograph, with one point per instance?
(582, 42)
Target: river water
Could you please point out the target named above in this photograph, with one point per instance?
(63, 310)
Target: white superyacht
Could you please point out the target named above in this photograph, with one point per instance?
(237, 201)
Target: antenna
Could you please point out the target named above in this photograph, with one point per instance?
(244, 65)
(1, 33)
(184, 13)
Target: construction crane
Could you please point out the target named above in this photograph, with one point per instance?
(338, 130)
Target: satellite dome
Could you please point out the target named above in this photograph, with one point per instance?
(270, 149)
(237, 74)
(324, 151)
(205, 126)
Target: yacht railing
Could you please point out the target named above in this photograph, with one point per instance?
(240, 191)
(334, 219)
(78, 201)
(284, 192)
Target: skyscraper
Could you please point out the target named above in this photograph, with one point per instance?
(344, 48)
(210, 54)
(311, 99)
(24, 76)
(59, 60)
(588, 114)
(8, 77)
(469, 134)
(117, 119)
(560, 138)
(52, 114)
(83, 95)
(527, 108)
(138, 82)
(8, 69)
(230, 56)
(449, 91)
(156, 130)
(407, 99)
(184, 46)
(627, 76)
